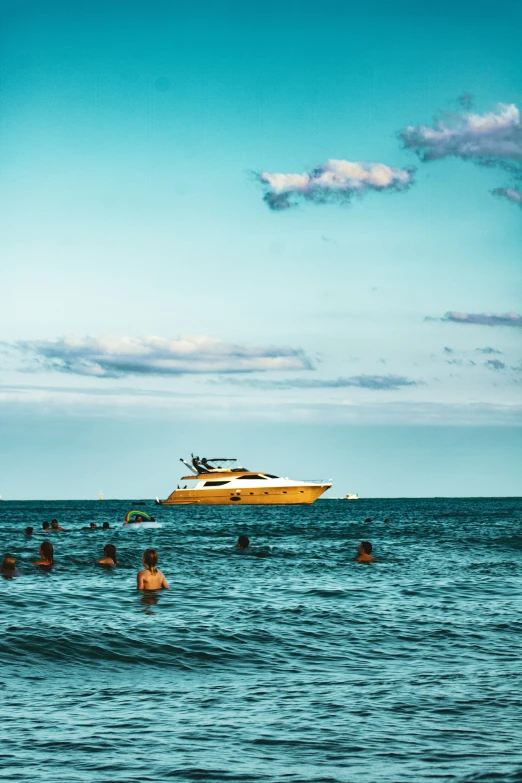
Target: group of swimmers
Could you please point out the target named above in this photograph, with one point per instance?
(54, 526)
(150, 578)
(364, 551)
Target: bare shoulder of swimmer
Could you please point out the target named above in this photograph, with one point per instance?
(164, 583)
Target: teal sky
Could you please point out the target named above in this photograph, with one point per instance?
(138, 142)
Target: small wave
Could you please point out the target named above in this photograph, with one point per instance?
(494, 776)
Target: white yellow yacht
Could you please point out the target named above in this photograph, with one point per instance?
(217, 485)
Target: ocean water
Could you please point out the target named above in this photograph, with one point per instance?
(289, 662)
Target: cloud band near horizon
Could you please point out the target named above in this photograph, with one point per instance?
(483, 319)
(373, 382)
(117, 357)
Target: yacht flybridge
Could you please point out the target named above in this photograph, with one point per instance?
(232, 485)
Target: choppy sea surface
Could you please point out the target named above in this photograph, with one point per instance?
(288, 662)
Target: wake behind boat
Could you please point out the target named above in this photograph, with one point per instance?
(218, 485)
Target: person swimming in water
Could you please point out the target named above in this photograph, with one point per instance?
(364, 553)
(243, 542)
(133, 520)
(92, 526)
(8, 567)
(55, 525)
(45, 527)
(150, 578)
(109, 555)
(28, 531)
(105, 526)
(46, 553)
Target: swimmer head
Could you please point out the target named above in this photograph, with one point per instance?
(46, 551)
(150, 560)
(9, 563)
(109, 550)
(243, 542)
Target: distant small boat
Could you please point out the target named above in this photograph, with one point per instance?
(352, 497)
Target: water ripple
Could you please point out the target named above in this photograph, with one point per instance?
(290, 662)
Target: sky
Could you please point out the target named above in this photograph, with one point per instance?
(287, 230)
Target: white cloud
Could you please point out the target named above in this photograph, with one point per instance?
(485, 319)
(512, 194)
(116, 357)
(333, 181)
(488, 349)
(495, 364)
(493, 139)
(494, 135)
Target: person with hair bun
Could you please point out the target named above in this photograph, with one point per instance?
(150, 578)
(46, 553)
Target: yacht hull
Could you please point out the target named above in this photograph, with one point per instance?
(298, 495)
